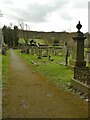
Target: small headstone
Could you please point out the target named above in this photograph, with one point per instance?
(3, 51)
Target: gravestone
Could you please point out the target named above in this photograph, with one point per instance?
(88, 51)
(46, 50)
(65, 54)
(1, 39)
(81, 79)
(2, 46)
(88, 56)
(74, 49)
(78, 48)
(39, 53)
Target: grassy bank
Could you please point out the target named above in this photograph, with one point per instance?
(53, 70)
(5, 63)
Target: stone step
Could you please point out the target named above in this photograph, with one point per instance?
(80, 86)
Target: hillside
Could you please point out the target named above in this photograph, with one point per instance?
(11, 36)
(60, 37)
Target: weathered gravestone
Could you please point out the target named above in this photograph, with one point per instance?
(81, 80)
(39, 52)
(1, 39)
(2, 47)
(89, 55)
(65, 54)
(78, 48)
(88, 51)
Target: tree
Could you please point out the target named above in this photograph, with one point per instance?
(21, 41)
(8, 35)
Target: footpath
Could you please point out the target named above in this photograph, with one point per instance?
(27, 94)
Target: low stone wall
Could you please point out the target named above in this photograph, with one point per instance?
(82, 74)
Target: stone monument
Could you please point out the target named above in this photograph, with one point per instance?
(88, 51)
(78, 51)
(81, 79)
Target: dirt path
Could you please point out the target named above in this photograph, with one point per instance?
(28, 95)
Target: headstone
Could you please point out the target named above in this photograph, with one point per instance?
(88, 52)
(89, 56)
(47, 51)
(81, 79)
(65, 54)
(78, 52)
(74, 49)
(32, 50)
(49, 57)
(3, 50)
(1, 39)
(39, 53)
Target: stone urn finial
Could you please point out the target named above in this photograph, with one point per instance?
(79, 26)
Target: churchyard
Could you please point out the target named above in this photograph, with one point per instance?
(66, 67)
(60, 63)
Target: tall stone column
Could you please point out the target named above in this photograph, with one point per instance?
(79, 38)
(88, 51)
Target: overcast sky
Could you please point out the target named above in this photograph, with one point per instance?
(46, 15)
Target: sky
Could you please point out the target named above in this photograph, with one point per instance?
(45, 15)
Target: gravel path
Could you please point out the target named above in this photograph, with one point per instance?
(28, 95)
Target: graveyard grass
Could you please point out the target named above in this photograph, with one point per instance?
(5, 64)
(56, 73)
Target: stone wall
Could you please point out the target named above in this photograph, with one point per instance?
(82, 74)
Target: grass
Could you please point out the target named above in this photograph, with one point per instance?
(5, 63)
(56, 73)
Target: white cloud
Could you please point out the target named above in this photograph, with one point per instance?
(46, 15)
